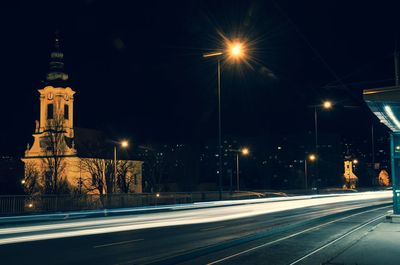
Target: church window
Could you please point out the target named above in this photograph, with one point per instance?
(44, 142)
(50, 111)
(66, 112)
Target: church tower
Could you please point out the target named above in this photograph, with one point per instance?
(52, 164)
(56, 108)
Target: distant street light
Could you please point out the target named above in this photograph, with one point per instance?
(312, 158)
(243, 151)
(123, 144)
(327, 104)
(22, 181)
(233, 51)
(355, 162)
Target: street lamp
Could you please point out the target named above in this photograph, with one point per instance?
(355, 162)
(123, 144)
(234, 51)
(327, 104)
(312, 158)
(243, 151)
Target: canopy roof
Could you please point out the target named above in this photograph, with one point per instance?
(385, 104)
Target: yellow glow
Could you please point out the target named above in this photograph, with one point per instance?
(124, 144)
(235, 50)
(157, 194)
(30, 205)
(23, 181)
(327, 104)
(312, 157)
(355, 161)
(245, 151)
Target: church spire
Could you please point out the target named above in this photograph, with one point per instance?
(56, 74)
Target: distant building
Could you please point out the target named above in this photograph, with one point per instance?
(63, 156)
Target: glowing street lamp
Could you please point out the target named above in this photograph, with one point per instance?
(123, 144)
(245, 151)
(242, 151)
(327, 104)
(234, 51)
(312, 158)
(355, 162)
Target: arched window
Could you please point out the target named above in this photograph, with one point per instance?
(50, 111)
(66, 111)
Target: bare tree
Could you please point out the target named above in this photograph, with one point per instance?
(54, 159)
(100, 177)
(31, 182)
(125, 175)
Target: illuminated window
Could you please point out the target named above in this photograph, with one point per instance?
(66, 112)
(50, 111)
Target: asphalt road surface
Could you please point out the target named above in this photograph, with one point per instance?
(288, 231)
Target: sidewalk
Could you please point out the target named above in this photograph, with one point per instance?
(381, 245)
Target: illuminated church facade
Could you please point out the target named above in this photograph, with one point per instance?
(64, 156)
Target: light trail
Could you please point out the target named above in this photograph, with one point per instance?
(225, 211)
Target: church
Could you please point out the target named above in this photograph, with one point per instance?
(66, 159)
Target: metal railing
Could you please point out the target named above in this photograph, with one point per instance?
(25, 204)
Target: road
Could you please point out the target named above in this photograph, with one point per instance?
(276, 231)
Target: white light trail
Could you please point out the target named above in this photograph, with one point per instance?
(225, 211)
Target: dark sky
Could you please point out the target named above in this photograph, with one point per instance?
(138, 71)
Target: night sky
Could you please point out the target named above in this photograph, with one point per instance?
(138, 70)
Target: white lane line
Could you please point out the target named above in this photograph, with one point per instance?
(118, 243)
(290, 236)
(337, 239)
(212, 228)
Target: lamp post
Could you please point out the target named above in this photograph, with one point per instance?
(245, 152)
(355, 162)
(327, 104)
(234, 51)
(123, 144)
(310, 157)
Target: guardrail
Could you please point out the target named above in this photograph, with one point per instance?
(25, 204)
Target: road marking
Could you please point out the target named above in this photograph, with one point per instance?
(292, 235)
(212, 228)
(337, 239)
(118, 243)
